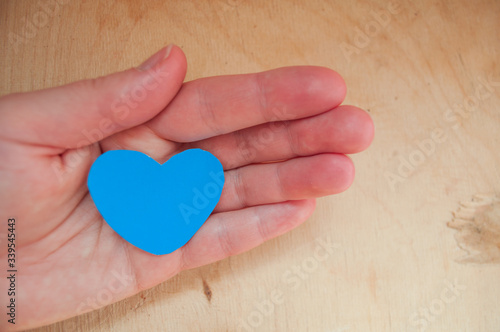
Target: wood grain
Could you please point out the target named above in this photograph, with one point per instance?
(427, 71)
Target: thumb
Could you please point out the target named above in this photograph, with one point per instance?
(84, 112)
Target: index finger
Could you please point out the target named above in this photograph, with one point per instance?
(217, 105)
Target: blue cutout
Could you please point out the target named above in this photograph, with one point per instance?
(157, 208)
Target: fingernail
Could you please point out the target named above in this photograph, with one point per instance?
(155, 58)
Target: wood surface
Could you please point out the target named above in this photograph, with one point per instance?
(414, 244)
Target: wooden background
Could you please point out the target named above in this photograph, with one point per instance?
(427, 71)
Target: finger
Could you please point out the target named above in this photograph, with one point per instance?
(142, 138)
(231, 233)
(345, 129)
(85, 112)
(218, 105)
(299, 178)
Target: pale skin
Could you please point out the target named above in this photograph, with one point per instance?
(280, 135)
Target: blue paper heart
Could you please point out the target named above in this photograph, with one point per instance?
(155, 207)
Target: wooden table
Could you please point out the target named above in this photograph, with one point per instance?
(428, 72)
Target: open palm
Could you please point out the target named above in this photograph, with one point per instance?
(280, 135)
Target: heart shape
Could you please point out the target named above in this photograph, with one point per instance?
(156, 207)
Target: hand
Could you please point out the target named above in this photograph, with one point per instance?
(70, 261)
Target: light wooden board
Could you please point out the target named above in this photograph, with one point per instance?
(394, 261)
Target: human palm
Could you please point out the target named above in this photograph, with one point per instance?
(280, 135)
